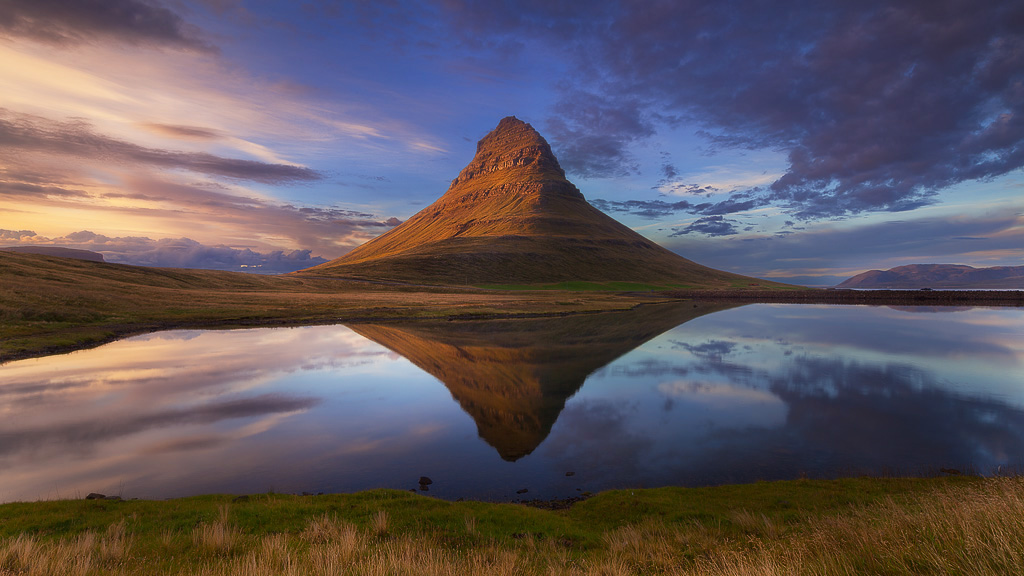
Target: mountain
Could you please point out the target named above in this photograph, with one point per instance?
(513, 377)
(939, 276)
(57, 251)
(511, 217)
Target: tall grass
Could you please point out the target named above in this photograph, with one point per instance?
(975, 529)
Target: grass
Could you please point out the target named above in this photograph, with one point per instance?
(50, 304)
(587, 286)
(959, 525)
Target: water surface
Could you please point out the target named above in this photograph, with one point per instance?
(665, 395)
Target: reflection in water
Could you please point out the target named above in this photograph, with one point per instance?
(660, 395)
(514, 376)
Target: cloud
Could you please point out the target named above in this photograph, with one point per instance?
(184, 132)
(594, 133)
(877, 105)
(70, 22)
(709, 225)
(980, 241)
(645, 208)
(659, 208)
(77, 138)
(171, 252)
(86, 435)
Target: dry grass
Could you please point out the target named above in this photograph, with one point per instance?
(976, 529)
(50, 304)
(218, 537)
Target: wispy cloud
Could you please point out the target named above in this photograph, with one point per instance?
(68, 22)
(23, 132)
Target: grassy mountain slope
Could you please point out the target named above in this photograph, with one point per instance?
(939, 276)
(511, 217)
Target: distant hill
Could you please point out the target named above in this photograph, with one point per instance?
(939, 276)
(58, 251)
(511, 217)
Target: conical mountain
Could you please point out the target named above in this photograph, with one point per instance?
(512, 217)
(513, 377)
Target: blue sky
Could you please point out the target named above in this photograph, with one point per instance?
(812, 139)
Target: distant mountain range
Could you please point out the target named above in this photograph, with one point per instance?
(511, 217)
(58, 251)
(939, 276)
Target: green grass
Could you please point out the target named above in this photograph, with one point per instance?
(957, 525)
(580, 286)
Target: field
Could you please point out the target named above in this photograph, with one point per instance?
(50, 305)
(953, 525)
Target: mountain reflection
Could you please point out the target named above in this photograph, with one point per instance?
(674, 394)
(514, 376)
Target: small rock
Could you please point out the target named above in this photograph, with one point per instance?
(523, 491)
(425, 481)
(95, 496)
(570, 473)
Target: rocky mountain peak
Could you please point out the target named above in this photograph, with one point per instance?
(512, 144)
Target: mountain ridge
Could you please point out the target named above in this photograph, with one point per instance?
(511, 216)
(939, 276)
(58, 251)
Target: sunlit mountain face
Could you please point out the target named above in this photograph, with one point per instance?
(511, 217)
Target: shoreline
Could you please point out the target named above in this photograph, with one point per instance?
(86, 336)
(956, 524)
(919, 297)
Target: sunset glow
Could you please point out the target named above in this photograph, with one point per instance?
(809, 143)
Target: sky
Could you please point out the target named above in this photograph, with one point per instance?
(807, 141)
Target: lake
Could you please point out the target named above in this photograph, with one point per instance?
(686, 395)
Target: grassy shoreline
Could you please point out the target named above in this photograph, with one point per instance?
(958, 524)
(51, 305)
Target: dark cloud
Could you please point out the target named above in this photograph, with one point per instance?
(36, 190)
(594, 133)
(77, 138)
(878, 105)
(69, 22)
(645, 208)
(709, 225)
(187, 132)
(172, 252)
(660, 208)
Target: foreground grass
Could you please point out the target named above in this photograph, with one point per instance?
(855, 526)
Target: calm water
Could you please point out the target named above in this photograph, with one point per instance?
(662, 396)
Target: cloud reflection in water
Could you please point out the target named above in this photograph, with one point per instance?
(756, 392)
